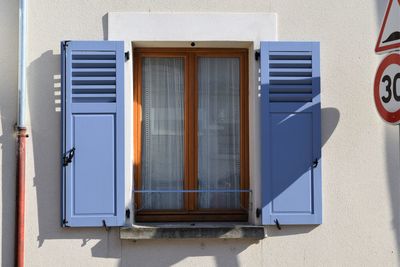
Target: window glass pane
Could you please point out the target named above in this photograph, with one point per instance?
(162, 131)
(219, 131)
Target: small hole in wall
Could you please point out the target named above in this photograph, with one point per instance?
(192, 44)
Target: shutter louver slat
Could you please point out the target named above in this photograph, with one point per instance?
(97, 80)
(290, 97)
(93, 54)
(299, 72)
(94, 87)
(290, 63)
(88, 72)
(290, 80)
(283, 54)
(290, 88)
(92, 63)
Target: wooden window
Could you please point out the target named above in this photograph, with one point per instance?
(191, 134)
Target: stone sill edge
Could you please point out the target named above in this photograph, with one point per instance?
(185, 230)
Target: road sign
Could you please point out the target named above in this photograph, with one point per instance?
(387, 89)
(389, 35)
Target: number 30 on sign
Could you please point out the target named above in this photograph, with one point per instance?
(387, 89)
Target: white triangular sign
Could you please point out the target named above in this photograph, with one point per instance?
(389, 35)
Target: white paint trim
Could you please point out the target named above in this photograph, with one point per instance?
(207, 30)
(252, 27)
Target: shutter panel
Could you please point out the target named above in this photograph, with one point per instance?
(291, 133)
(93, 133)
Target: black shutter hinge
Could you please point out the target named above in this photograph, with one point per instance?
(258, 212)
(277, 224)
(127, 56)
(65, 223)
(67, 158)
(105, 226)
(127, 213)
(315, 163)
(65, 43)
(257, 55)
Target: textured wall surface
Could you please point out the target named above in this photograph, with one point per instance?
(361, 181)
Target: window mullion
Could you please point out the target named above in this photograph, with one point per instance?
(192, 131)
(186, 181)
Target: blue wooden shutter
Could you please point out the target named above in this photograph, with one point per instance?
(291, 133)
(93, 133)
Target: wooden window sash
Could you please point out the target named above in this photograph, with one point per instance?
(190, 211)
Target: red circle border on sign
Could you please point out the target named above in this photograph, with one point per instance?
(392, 117)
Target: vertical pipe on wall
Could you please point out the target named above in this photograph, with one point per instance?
(21, 138)
(20, 209)
(22, 64)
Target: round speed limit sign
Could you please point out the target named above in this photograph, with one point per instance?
(387, 89)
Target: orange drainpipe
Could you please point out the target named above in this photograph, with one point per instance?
(20, 214)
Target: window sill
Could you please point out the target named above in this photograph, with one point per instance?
(191, 230)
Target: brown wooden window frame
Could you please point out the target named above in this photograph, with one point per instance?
(191, 212)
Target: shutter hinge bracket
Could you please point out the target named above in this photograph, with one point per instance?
(65, 43)
(65, 223)
(127, 213)
(127, 56)
(277, 224)
(315, 163)
(105, 226)
(257, 55)
(258, 212)
(67, 158)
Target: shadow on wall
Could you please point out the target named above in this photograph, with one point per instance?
(104, 22)
(392, 146)
(329, 120)
(393, 170)
(8, 112)
(221, 252)
(44, 98)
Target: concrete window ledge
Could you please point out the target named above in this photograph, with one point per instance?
(191, 230)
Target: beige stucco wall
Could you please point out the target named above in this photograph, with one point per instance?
(361, 181)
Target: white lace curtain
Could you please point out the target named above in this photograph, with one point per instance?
(162, 131)
(218, 131)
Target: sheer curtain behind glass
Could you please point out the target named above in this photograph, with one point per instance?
(162, 131)
(219, 131)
